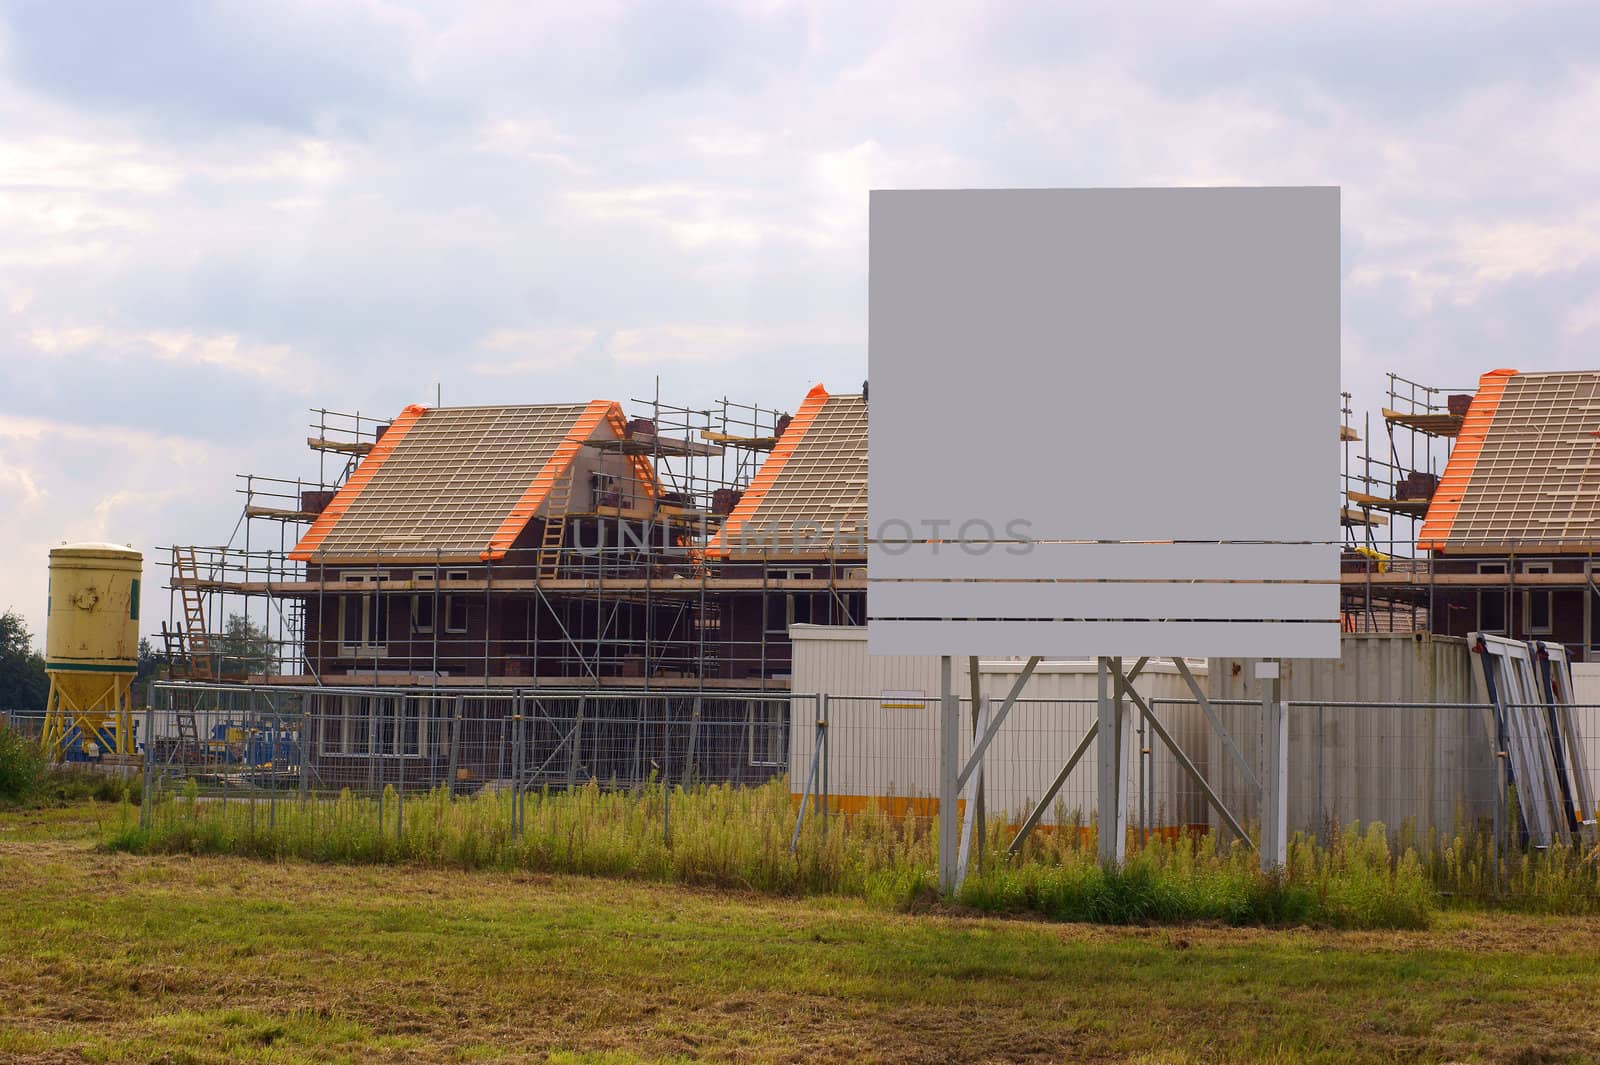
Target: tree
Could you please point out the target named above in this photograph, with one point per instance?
(24, 685)
(245, 647)
(151, 665)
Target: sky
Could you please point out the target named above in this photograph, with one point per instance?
(214, 217)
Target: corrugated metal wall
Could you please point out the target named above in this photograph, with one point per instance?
(1432, 766)
(1372, 668)
(883, 713)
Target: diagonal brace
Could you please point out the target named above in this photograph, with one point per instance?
(1050, 793)
(1189, 767)
(1216, 725)
(993, 728)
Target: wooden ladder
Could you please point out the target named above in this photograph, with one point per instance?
(555, 525)
(188, 739)
(186, 574)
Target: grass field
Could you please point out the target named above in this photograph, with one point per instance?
(115, 957)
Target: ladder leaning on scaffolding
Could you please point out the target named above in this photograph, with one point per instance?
(192, 640)
(555, 526)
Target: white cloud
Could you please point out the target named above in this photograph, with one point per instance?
(306, 162)
(225, 351)
(1584, 318)
(124, 439)
(691, 216)
(526, 350)
(728, 142)
(16, 296)
(684, 343)
(24, 486)
(1505, 250)
(58, 162)
(532, 140)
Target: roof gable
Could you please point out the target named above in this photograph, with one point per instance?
(1525, 469)
(460, 482)
(810, 496)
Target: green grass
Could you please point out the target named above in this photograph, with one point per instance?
(113, 957)
(740, 838)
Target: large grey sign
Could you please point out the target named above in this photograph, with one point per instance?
(1103, 421)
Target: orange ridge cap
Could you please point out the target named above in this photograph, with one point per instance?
(642, 469)
(1447, 498)
(768, 473)
(365, 470)
(545, 480)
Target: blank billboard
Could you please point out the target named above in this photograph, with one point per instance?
(1102, 422)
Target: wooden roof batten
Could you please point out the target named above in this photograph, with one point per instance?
(808, 501)
(459, 483)
(1524, 476)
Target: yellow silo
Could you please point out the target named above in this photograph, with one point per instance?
(92, 646)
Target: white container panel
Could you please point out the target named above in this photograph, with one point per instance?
(883, 714)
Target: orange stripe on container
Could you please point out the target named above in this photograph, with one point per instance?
(767, 475)
(545, 480)
(306, 549)
(1447, 498)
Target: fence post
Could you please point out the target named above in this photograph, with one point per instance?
(827, 760)
(516, 768)
(1109, 764)
(1502, 831)
(522, 760)
(573, 747)
(1275, 781)
(273, 760)
(811, 785)
(455, 744)
(305, 748)
(146, 792)
(666, 772)
(949, 769)
(694, 736)
(1322, 811)
(374, 778)
(1140, 746)
(400, 765)
(250, 768)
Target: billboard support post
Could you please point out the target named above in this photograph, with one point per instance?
(949, 765)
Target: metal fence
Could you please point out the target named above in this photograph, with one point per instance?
(365, 740)
(1419, 769)
(1424, 769)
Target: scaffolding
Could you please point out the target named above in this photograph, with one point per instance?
(615, 591)
(628, 587)
(1387, 487)
(215, 632)
(1534, 577)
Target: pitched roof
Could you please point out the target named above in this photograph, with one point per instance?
(460, 481)
(810, 495)
(1525, 470)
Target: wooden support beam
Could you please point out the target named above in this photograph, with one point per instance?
(343, 447)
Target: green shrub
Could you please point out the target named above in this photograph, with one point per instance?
(64, 784)
(22, 767)
(27, 778)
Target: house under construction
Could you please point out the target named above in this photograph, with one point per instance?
(1477, 510)
(585, 547)
(550, 544)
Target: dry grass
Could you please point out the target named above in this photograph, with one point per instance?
(113, 957)
(741, 838)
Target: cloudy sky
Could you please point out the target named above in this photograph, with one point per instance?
(215, 216)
